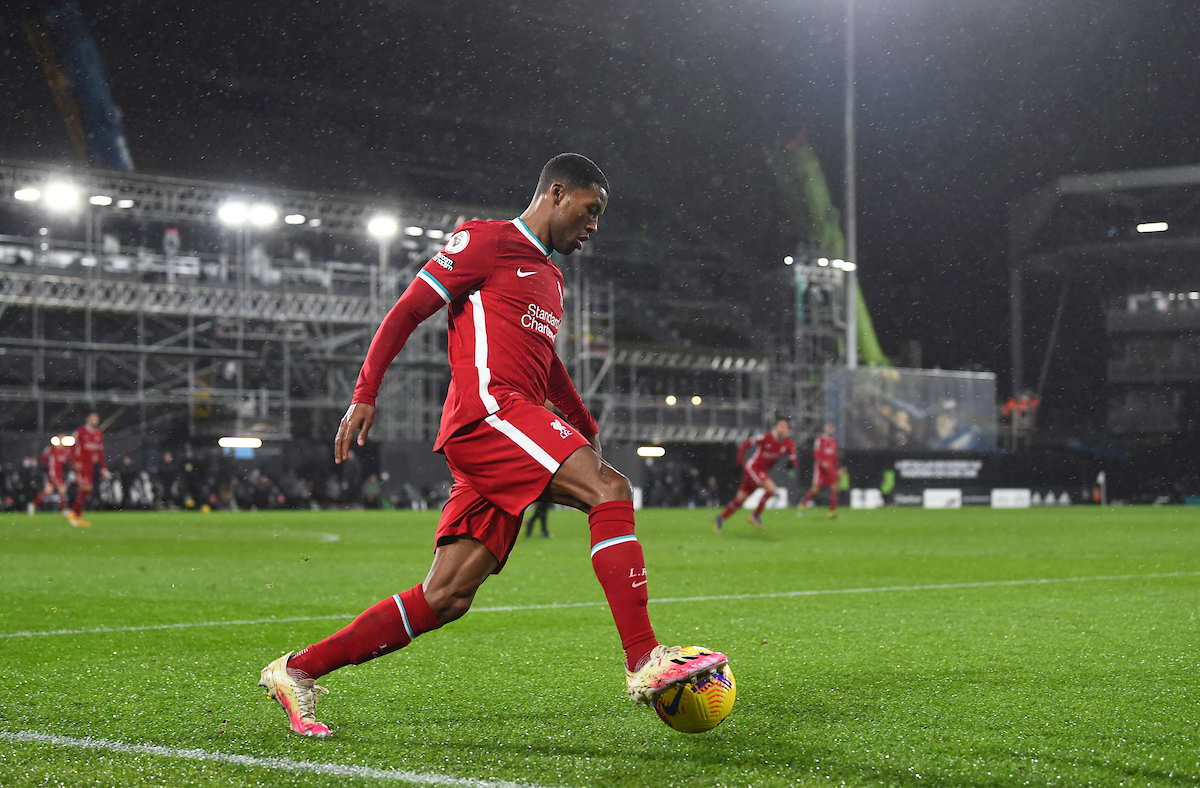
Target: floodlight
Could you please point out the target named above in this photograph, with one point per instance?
(262, 215)
(382, 226)
(55, 441)
(1152, 227)
(788, 260)
(414, 231)
(28, 194)
(294, 218)
(435, 234)
(124, 203)
(68, 440)
(100, 199)
(239, 443)
(696, 399)
(671, 399)
(233, 213)
(848, 266)
(61, 196)
(822, 261)
(314, 222)
(651, 451)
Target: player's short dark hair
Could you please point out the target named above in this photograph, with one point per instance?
(572, 170)
(778, 419)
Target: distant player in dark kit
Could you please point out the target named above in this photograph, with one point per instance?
(757, 456)
(827, 470)
(89, 451)
(505, 450)
(56, 459)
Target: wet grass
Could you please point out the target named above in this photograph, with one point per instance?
(928, 653)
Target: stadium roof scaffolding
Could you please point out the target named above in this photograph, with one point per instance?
(227, 326)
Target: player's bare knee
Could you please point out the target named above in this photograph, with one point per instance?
(448, 604)
(613, 486)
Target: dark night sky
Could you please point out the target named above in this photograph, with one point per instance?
(964, 106)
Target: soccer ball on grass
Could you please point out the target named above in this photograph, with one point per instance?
(699, 705)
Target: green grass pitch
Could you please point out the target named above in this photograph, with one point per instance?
(1055, 646)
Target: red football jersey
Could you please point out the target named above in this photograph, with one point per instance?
(767, 449)
(89, 446)
(505, 302)
(55, 458)
(825, 453)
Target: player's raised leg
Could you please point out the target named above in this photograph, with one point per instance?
(588, 483)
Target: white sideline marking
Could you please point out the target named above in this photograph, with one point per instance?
(666, 600)
(282, 764)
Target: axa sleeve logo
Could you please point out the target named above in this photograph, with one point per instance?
(458, 242)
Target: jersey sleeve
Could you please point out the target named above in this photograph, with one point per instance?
(563, 394)
(464, 264)
(746, 444)
(417, 304)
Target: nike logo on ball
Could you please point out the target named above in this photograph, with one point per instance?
(524, 274)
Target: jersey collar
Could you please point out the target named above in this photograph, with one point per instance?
(524, 228)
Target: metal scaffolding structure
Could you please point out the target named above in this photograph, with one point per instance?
(260, 330)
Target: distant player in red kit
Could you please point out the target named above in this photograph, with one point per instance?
(89, 450)
(504, 297)
(757, 456)
(56, 459)
(827, 470)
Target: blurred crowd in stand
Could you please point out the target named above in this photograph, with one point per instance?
(216, 480)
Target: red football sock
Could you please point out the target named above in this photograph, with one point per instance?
(80, 497)
(762, 504)
(386, 626)
(730, 508)
(832, 500)
(808, 496)
(37, 499)
(621, 569)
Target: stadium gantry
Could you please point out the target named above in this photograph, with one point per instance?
(196, 308)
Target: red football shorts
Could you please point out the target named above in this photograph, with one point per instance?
(749, 483)
(85, 473)
(823, 478)
(55, 478)
(500, 466)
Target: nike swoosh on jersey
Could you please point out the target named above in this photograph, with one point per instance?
(642, 583)
(524, 274)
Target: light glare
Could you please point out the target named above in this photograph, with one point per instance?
(788, 260)
(68, 440)
(261, 215)
(27, 195)
(124, 203)
(239, 443)
(382, 226)
(671, 399)
(651, 451)
(61, 196)
(1152, 227)
(100, 199)
(294, 218)
(696, 400)
(414, 231)
(233, 213)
